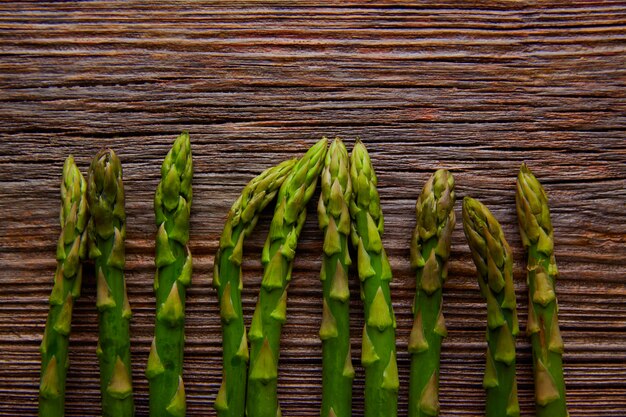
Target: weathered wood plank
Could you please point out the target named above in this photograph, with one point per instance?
(476, 88)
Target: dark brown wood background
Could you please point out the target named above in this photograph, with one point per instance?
(475, 87)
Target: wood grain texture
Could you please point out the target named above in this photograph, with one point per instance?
(474, 87)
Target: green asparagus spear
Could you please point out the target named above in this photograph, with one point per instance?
(172, 205)
(542, 327)
(241, 220)
(494, 264)
(71, 251)
(107, 231)
(334, 220)
(430, 249)
(378, 354)
(277, 258)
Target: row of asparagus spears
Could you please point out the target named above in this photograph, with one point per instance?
(93, 226)
(351, 219)
(349, 214)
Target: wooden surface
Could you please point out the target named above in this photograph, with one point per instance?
(473, 87)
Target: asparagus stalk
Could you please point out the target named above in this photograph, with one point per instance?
(107, 231)
(277, 258)
(430, 249)
(542, 326)
(71, 251)
(172, 205)
(334, 220)
(241, 220)
(494, 264)
(379, 339)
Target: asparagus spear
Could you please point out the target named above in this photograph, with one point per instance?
(430, 249)
(241, 220)
(107, 231)
(172, 204)
(379, 336)
(494, 264)
(334, 220)
(543, 327)
(71, 251)
(278, 254)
